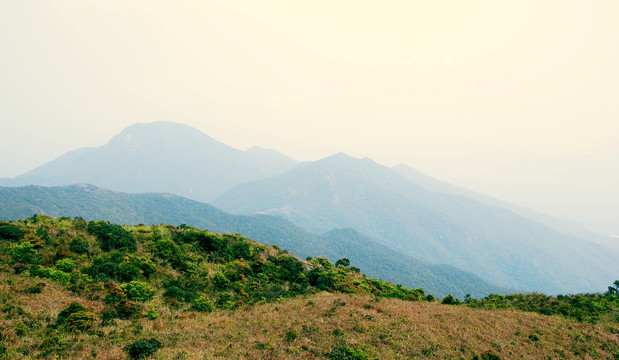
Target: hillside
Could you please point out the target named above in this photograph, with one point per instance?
(147, 157)
(398, 207)
(562, 226)
(93, 203)
(494, 243)
(81, 290)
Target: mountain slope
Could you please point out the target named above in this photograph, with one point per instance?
(160, 157)
(92, 203)
(321, 324)
(496, 244)
(562, 226)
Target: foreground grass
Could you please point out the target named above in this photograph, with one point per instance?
(305, 327)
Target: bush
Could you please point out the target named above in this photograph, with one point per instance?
(209, 242)
(450, 300)
(54, 344)
(128, 272)
(203, 304)
(11, 232)
(146, 265)
(291, 336)
(35, 289)
(81, 320)
(340, 352)
(73, 308)
(142, 348)
(79, 245)
(24, 253)
(118, 305)
(112, 236)
(220, 281)
(487, 355)
(342, 262)
(138, 291)
(55, 275)
(66, 265)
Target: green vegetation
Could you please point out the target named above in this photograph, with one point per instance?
(182, 268)
(94, 203)
(142, 348)
(76, 289)
(591, 308)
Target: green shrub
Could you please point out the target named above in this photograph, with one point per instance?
(138, 291)
(54, 344)
(117, 304)
(208, 241)
(151, 314)
(128, 271)
(340, 352)
(55, 275)
(81, 320)
(66, 265)
(342, 262)
(243, 250)
(203, 304)
(73, 308)
(487, 355)
(291, 336)
(79, 245)
(35, 289)
(450, 300)
(112, 236)
(24, 253)
(11, 232)
(220, 281)
(142, 348)
(146, 265)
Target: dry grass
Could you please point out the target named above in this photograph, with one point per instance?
(385, 329)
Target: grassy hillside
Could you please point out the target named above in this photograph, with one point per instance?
(94, 290)
(93, 203)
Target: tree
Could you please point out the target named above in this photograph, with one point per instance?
(343, 262)
(614, 288)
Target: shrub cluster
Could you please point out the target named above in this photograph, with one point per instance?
(581, 307)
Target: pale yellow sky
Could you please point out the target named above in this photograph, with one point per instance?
(515, 99)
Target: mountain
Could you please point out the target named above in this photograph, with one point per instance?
(494, 243)
(93, 203)
(566, 227)
(160, 157)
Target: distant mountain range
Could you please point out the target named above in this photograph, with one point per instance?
(93, 203)
(496, 244)
(160, 157)
(563, 226)
(400, 208)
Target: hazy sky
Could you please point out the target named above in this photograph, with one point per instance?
(515, 99)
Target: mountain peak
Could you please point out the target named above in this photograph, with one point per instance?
(161, 156)
(161, 132)
(338, 157)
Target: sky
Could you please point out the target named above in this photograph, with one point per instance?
(514, 99)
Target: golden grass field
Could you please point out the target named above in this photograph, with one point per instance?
(305, 327)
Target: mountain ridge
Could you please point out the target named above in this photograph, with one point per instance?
(492, 242)
(93, 203)
(135, 159)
